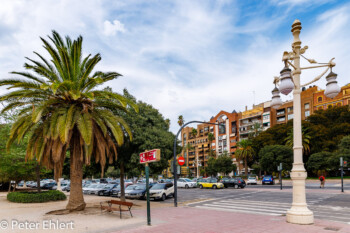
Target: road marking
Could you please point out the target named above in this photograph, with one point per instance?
(237, 211)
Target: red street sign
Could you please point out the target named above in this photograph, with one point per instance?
(150, 156)
(181, 161)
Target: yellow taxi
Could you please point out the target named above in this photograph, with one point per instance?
(210, 183)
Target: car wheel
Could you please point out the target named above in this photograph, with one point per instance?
(186, 186)
(235, 186)
(200, 186)
(214, 187)
(163, 197)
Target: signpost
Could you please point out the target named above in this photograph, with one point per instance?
(342, 164)
(279, 168)
(148, 157)
(181, 161)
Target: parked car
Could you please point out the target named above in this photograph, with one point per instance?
(97, 189)
(161, 191)
(87, 189)
(186, 183)
(251, 181)
(236, 182)
(268, 180)
(136, 191)
(107, 190)
(48, 185)
(210, 183)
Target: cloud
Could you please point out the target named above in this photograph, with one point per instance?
(190, 58)
(110, 29)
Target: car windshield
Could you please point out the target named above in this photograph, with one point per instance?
(268, 177)
(213, 181)
(109, 186)
(140, 187)
(92, 186)
(158, 186)
(131, 187)
(251, 178)
(188, 180)
(100, 186)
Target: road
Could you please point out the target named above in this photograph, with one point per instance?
(258, 199)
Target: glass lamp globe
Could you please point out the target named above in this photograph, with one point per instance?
(332, 88)
(276, 99)
(286, 85)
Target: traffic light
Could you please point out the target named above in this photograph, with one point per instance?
(345, 163)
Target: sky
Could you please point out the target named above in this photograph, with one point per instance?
(190, 58)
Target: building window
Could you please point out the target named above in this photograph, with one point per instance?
(307, 106)
(281, 119)
(319, 108)
(290, 116)
(339, 104)
(222, 129)
(289, 109)
(329, 106)
(307, 113)
(266, 117)
(319, 99)
(224, 142)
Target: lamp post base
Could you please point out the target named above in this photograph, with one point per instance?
(299, 213)
(302, 216)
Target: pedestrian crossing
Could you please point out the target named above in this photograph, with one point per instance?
(275, 208)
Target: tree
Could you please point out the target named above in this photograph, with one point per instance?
(305, 139)
(244, 152)
(319, 162)
(181, 120)
(187, 148)
(211, 168)
(150, 130)
(256, 130)
(61, 110)
(211, 138)
(272, 156)
(224, 164)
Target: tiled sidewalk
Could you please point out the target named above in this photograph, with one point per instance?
(187, 219)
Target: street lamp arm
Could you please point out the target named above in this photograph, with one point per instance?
(316, 78)
(174, 162)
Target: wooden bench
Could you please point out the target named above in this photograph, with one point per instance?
(110, 208)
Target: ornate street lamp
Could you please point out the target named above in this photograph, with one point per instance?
(290, 81)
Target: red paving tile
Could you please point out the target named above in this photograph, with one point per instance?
(189, 219)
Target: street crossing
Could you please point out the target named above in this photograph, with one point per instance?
(270, 204)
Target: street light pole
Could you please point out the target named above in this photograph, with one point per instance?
(299, 212)
(174, 162)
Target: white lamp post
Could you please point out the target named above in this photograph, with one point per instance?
(299, 212)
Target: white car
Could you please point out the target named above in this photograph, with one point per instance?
(87, 189)
(186, 183)
(252, 180)
(161, 191)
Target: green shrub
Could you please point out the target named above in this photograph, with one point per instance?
(35, 197)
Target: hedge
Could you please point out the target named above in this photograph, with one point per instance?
(35, 197)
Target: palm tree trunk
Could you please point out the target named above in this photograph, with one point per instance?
(245, 166)
(76, 199)
(37, 171)
(122, 187)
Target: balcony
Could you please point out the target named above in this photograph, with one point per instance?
(281, 113)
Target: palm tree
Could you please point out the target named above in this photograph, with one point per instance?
(256, 130)
(187, 148)
(60, 110)
(181, 120)
(210, 139)
(244, 151)
(306, 137)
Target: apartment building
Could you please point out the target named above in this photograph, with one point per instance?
(323, 102)
(237, 126)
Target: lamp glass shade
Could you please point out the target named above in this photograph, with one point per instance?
(332, 87)
(286, 85)
(276, 99)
